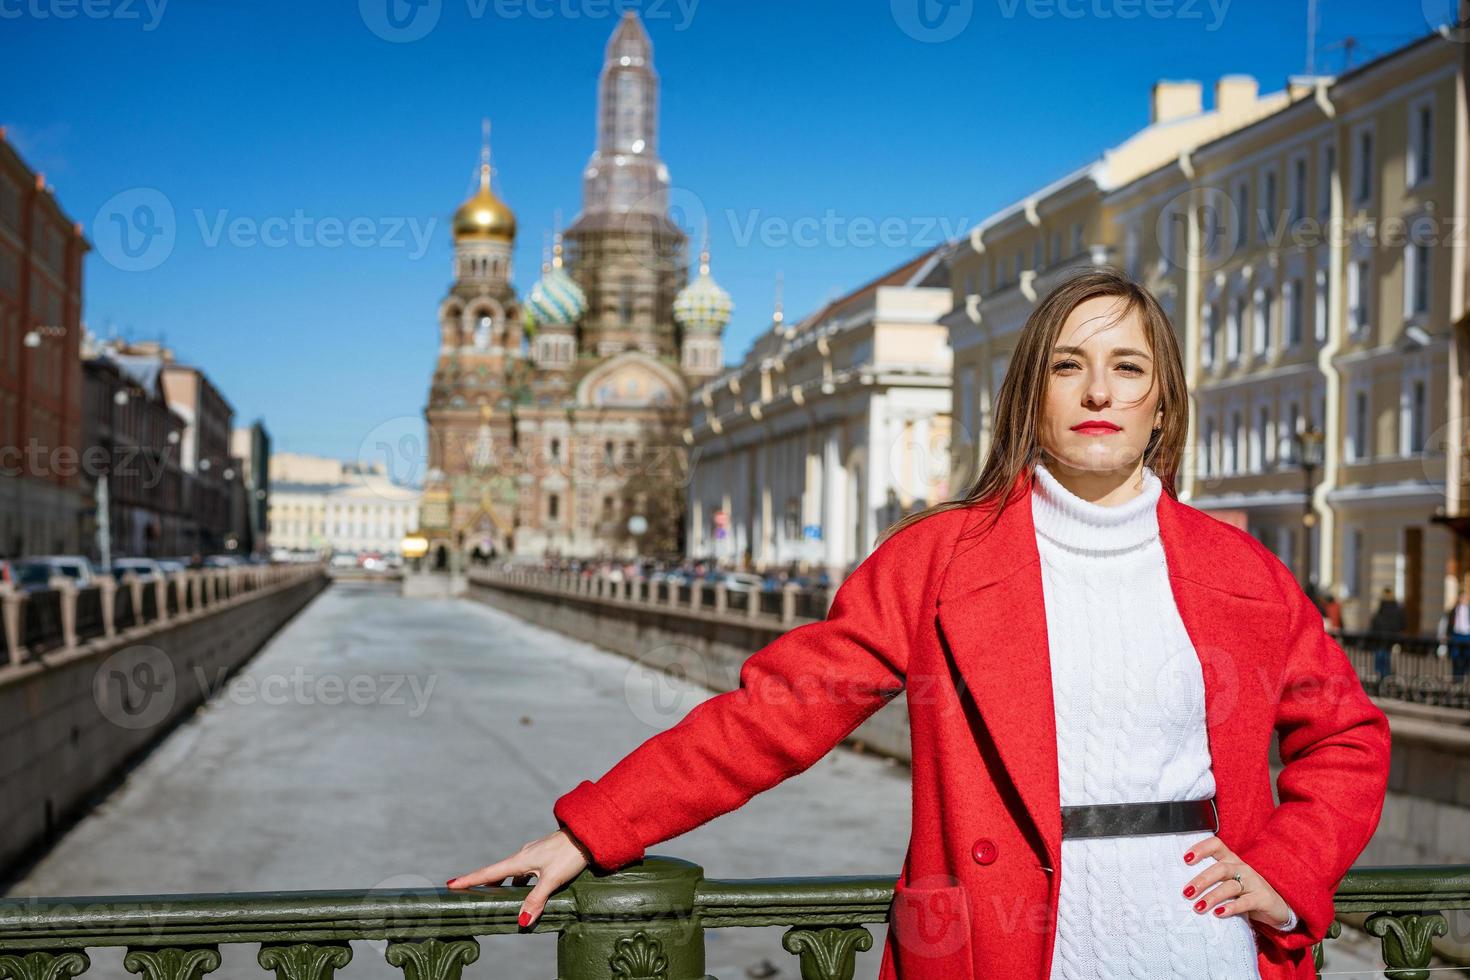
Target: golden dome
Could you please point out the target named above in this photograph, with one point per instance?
(485, 216)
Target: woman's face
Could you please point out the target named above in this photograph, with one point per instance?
(1102, 399)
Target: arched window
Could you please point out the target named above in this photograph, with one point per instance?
(482, 332)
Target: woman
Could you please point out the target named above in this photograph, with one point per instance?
(1094, 673)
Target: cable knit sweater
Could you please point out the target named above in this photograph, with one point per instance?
(1130, 721)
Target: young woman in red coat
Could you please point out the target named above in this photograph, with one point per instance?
(1094, 672)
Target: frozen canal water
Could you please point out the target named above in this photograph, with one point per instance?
(383, 742)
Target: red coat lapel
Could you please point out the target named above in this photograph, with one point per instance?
(993, 619)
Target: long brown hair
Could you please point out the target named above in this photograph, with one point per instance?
(1014, 447)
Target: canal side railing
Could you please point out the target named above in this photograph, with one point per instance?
(64, 617)
(790, 605)
(91, 679)
(1397, 667)
(646, 921)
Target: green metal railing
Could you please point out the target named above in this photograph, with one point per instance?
(645, 923)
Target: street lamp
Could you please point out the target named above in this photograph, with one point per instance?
(1310, 446)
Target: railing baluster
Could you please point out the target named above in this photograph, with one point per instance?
(43, 964)
(1407, 939)
(304, 961)
(827, 954)
(432, 959)
(172, 962)
(1333, 931)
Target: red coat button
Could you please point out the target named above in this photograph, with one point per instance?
(984, 851)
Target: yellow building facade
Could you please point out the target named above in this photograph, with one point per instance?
(1309, 247)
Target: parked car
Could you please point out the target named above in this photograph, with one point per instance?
(222, 561)
(171, 566)
(742, 582)
(36, 573)
(146, 568)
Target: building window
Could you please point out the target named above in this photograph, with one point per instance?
(1360, 279)
(1261, 333)
(1291, 296)
(1329, 176)
(1233, 328)
(1319, 306)
(553, 507)
(1268, 205)
(1287, 452)
(1242, 213)
(1077, 238)
(1206, 447)
(1207, 345)
(1298, 189)
(1416, 269)
(1056, 246)
(1352, 552)
(1364, 164)
(1261, 450)
(1421, 142)
(1232, 443)
(625, 300)
(1358, 448)
(1413, 416)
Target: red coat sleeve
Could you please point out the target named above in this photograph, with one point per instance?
(799, 696)
(1334, 745)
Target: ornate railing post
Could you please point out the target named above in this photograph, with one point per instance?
(43, 964)
(67, 590)
(11, 611)
(1407, 939)
(638, 924)
(107, 594)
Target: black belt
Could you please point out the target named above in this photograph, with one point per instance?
(1133, 819)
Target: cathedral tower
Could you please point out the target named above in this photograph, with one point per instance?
(625, 253)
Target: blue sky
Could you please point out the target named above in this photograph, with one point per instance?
(301, 159)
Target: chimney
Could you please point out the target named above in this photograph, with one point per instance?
(1174, 100)
(1235, 94)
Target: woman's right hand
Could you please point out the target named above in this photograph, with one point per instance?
(554, 860)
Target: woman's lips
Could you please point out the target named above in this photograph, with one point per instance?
(1096, 428)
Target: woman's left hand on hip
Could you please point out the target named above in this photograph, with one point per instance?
(1214, 891)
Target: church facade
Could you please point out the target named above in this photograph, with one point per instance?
(555, 419)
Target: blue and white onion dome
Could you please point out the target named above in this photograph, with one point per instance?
(703, 305)
(556, 299)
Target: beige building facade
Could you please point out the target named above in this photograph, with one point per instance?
(829, 430)
(1310, 252)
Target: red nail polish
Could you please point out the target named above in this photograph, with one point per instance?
(525, 919)
(451, 882)
(1189, 857)
(1199, 906)
(1189, 891)
(1219, 910)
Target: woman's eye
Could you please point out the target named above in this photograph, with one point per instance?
(1131, 367)
(1063, 364)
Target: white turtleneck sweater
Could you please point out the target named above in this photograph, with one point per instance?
(1130, 720)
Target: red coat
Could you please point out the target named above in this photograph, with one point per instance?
(955, 618)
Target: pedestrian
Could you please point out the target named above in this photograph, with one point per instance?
(1080, 651)
(1333, 611)
(1455, 632)
(1386, 626)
